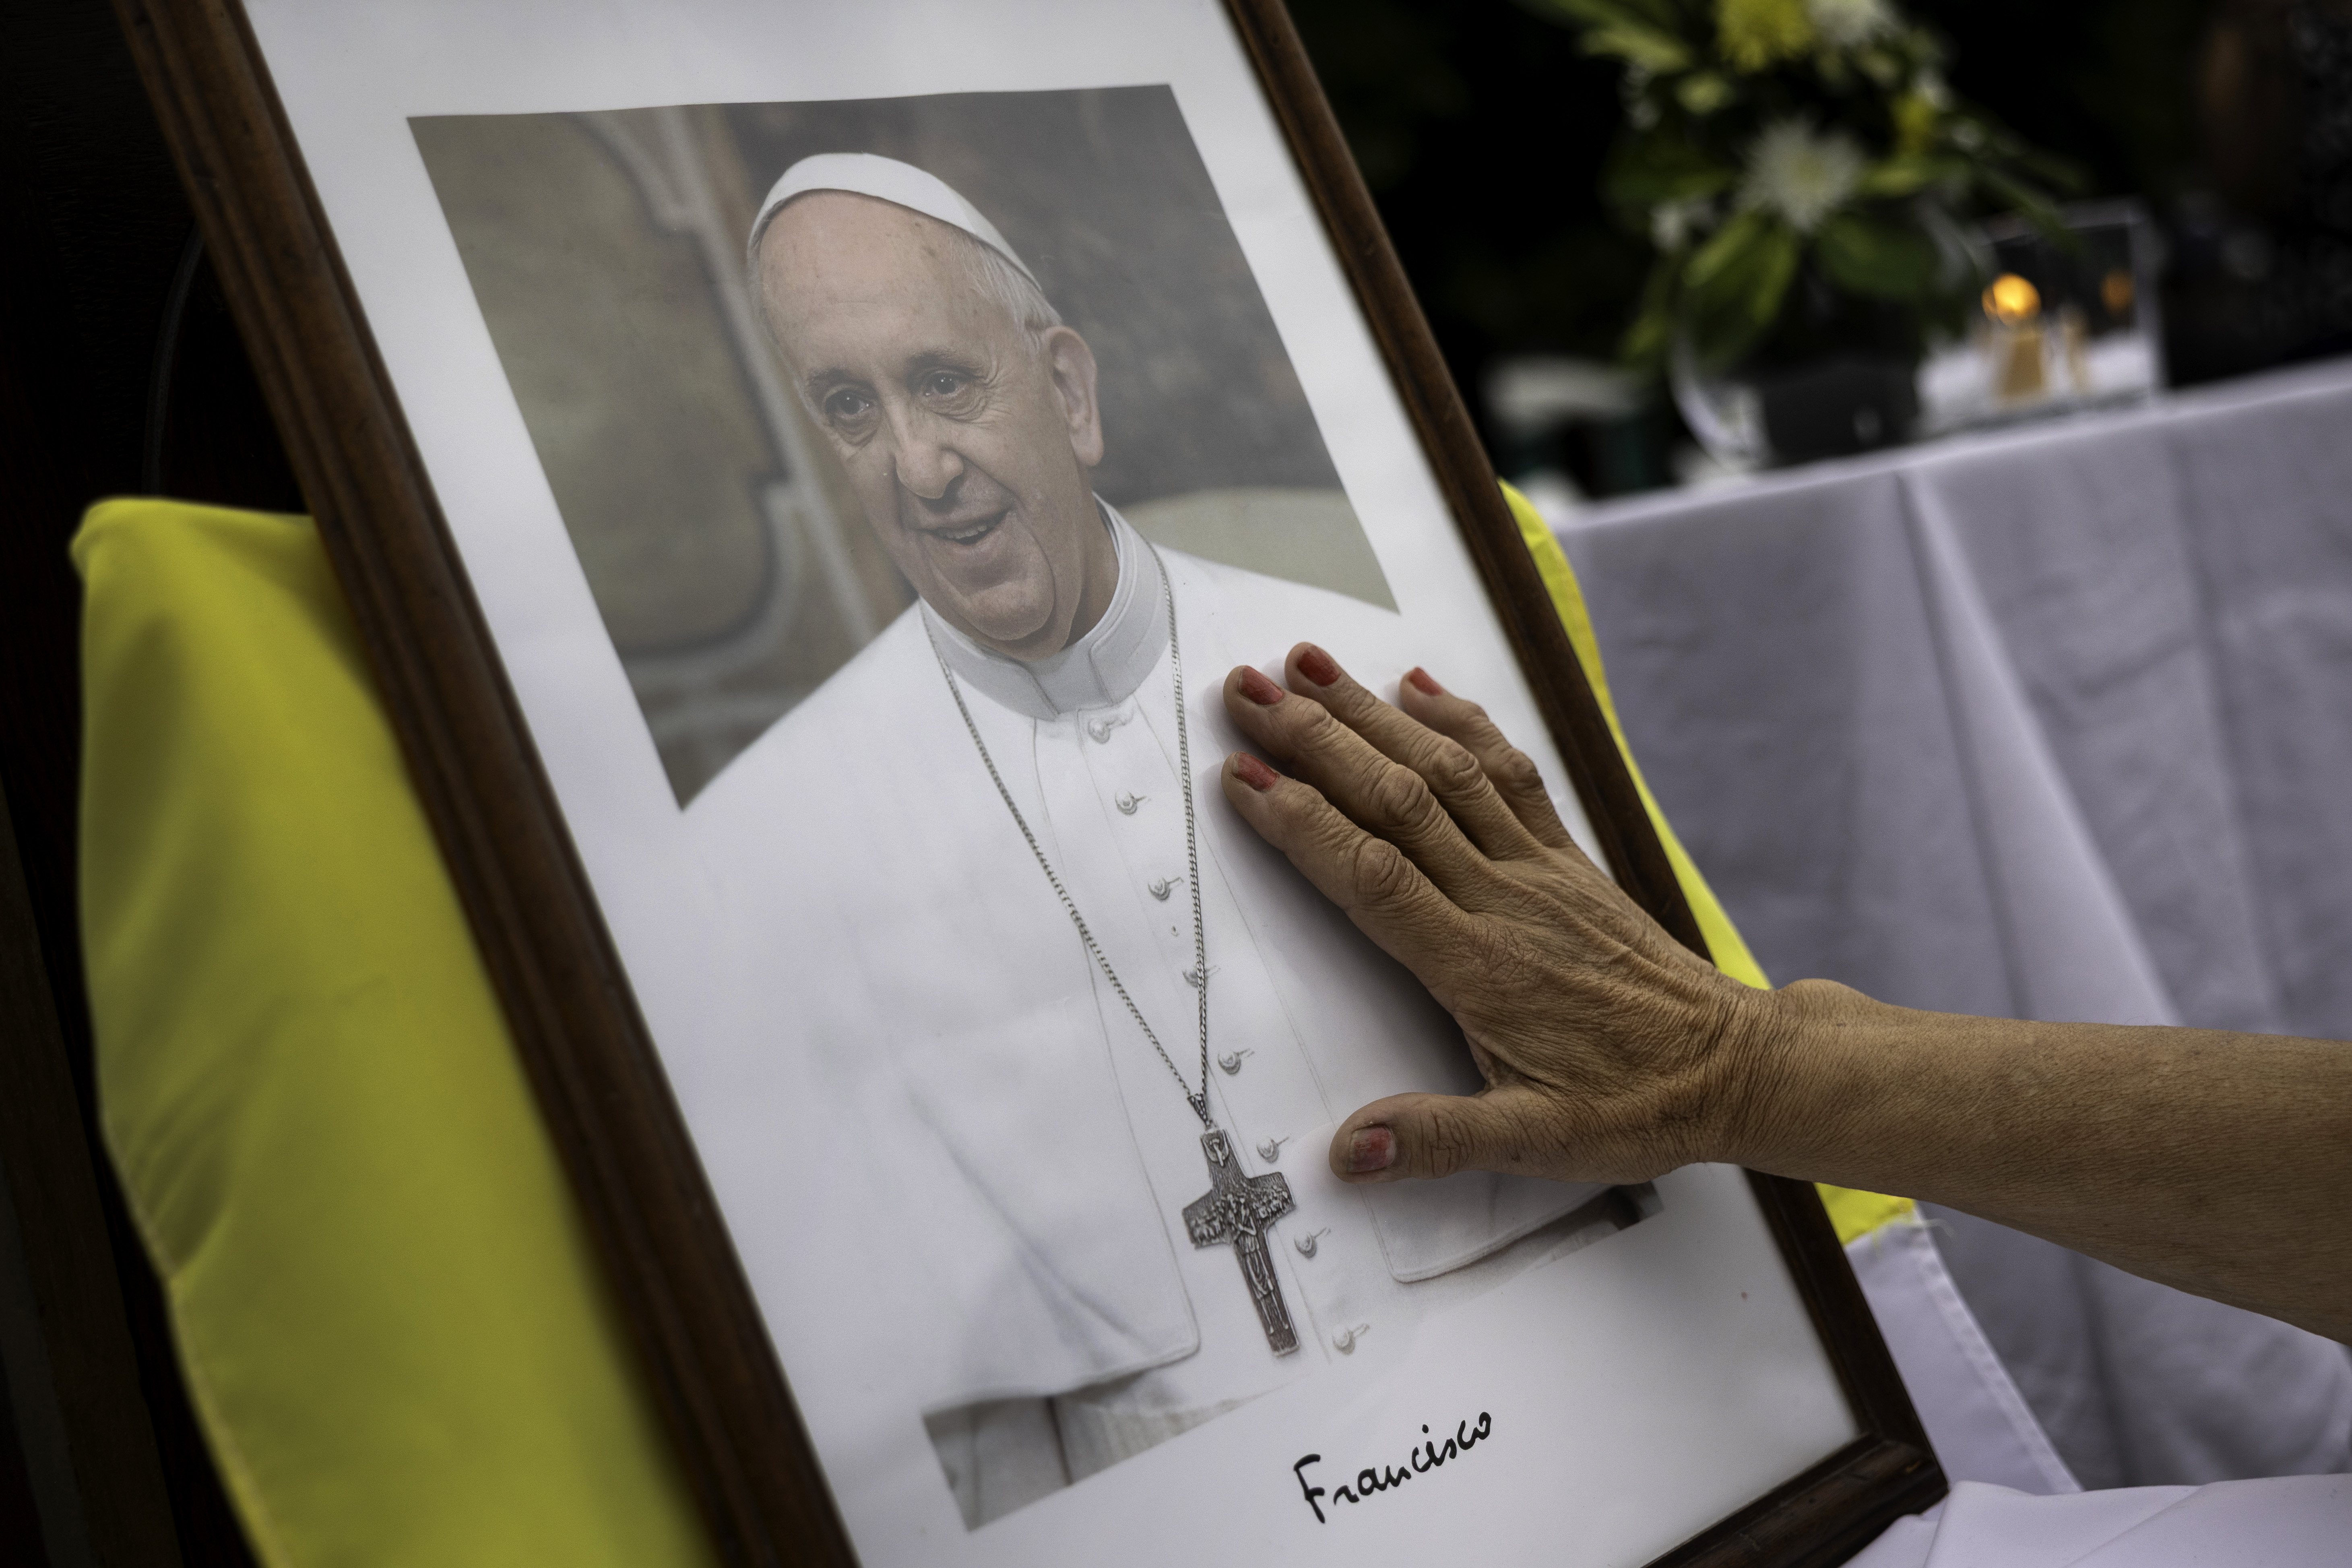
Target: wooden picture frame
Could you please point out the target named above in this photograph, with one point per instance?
(587, 1048)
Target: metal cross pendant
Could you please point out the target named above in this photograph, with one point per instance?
(1238, 1208)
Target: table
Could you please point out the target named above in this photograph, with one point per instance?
(2054, 723)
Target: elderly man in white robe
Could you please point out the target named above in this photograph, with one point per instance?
(1024, 1039)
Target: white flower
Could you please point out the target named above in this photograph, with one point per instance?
(1674, 223)
(1848, 24)
(1800, 174)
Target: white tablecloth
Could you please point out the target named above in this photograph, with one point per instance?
(2303, 1521)
(2051, 723)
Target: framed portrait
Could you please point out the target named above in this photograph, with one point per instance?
(803, 474)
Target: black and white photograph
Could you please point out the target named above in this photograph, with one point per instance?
(1072, 1031)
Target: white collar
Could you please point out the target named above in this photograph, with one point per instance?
(1100, 669)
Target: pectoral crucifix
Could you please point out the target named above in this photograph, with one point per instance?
(1238, 1208)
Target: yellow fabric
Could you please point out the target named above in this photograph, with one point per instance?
(1847, 1205)
(1724, 944)
(1855, 1212)
(388, 1312)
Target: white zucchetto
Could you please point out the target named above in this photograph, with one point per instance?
(885, 179)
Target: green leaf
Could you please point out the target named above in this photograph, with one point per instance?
(1667, 14)
(1652, 329)
(1725, 251)
(1883, 260)
(1922, 46)
(2034, 204)
(1645, 47)
(1903, 174)
(1659, 13)
(1756, 35)
(2052, 170)
(1704, 92)
(1644, 33)
(1733, 287)
(1579, 12)
(1649, 170)
(1774, 268)
(1653, 332)
(1915, 116)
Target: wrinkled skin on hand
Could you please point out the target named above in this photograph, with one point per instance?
(2198, 1158)
(1611, 1052)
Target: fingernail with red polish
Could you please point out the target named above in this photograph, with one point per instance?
(1370, 1149)
(1254, 773)
(1317, 666)
(1424, 680)
(1258, 689)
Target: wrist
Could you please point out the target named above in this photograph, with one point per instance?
(1777, 1096)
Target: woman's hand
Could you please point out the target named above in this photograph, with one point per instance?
(2190, 1156)
(1610, 1050)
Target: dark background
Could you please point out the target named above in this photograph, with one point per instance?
(1479, 127)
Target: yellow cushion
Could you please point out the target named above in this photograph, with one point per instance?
(1856, 1213)
(389, 1315)
(1853, 1212)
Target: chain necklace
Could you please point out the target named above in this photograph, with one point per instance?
(1199, 1102)
(1236, 1208)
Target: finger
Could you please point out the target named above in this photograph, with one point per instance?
(1370, 878)
(1388, 799)
(1448, 767)
(1519, 783)
(1514, 775)
(1427, 1137)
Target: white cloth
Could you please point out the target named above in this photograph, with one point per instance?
(1920, 715)
(2136, 1383)
(1977, 1420)
(981, 1162)
(2045, 723)
(2297, 1521)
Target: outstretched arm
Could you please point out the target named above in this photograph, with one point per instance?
(2218, 1163)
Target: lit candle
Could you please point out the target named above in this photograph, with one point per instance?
(2014, 308)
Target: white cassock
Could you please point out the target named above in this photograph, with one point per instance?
(954, 1166)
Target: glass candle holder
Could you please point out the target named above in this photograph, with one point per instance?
(2066, 322)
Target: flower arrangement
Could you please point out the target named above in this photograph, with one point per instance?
(1798, 165)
